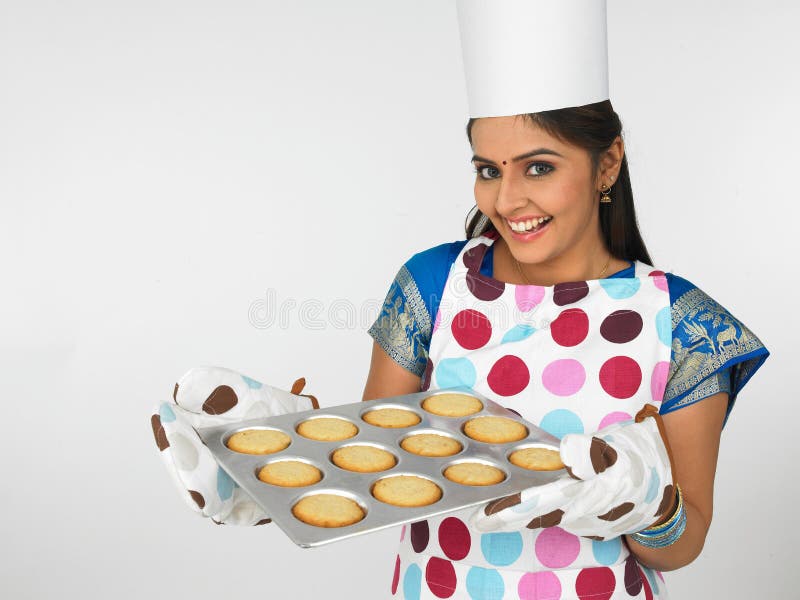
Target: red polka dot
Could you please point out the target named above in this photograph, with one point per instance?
(454, 538)
(620, 376)
(570, 327)
(655, 272)
(648, 592)
(396, 577)
(471, 329)
(596, 583)
(508, 376)
(440, 577)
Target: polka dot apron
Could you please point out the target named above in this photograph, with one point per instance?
(571, 358)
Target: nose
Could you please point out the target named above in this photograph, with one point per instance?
(511, 194)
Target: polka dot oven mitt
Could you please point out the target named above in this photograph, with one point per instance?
(620, 481)
(206, 397)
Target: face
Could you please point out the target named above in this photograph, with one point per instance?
(524, 174)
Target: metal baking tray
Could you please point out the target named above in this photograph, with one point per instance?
(277, 501)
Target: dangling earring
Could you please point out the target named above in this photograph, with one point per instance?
(605, 198)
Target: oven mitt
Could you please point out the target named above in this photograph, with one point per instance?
(205, 397)
(618, 481)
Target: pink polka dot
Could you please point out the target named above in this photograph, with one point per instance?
(454, 538)
(440, 577)
(564, 377)
(660, 282)
(403, 533)
(539, 584)
(658, 381)
(528, 296)
(396, 577)
(620, 376)
(555, 548)
(471, 329)
(660, 576)
(570, 327)
(614, 417)
(508, 376)
(595, 583)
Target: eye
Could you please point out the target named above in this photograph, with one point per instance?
(534, 169)
(487, 172)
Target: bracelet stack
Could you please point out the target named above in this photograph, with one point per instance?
(667, 533)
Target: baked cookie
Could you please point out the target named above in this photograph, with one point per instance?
(537, 459)
(289, 473)
(327, 429)
(392, 418)
(450, 404)
(363, 459)
(258, 441)
(431, 444)
(328, 510)
(474, 473)
(495, 430)
(406, 490)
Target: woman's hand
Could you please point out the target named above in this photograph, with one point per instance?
(205, 397)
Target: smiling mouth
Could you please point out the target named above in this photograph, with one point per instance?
(529, 225)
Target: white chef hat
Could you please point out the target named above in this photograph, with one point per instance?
(526, 56)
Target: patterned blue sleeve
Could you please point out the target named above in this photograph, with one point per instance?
(712, 351)
(403, 326)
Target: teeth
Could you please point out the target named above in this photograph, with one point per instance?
(523, 226)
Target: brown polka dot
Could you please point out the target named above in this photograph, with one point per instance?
(483, 288)
(420, 535)
(497, 505)
(175, 393)
(426, 377)
(633, 577)
(569, 292)
(264, 522)
(667, 500)
(596, 538)
(551, 519)
(621, 326)
(221, 400)
(158, 432)
(602, 455)
(617, 512)
(198, 498)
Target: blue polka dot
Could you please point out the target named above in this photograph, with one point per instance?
(520, 332)
(619, 289)
(560, 422)
(412, 583)
(252, 383)
(501, 549)
(451, 372)
(664, 326)
(607, 552)
(225, 484)
(651, 577)
(166, 414)
(485, 584)
(655, 485)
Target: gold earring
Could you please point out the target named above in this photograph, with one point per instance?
(605, 198)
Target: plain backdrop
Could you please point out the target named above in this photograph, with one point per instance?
(168, 167)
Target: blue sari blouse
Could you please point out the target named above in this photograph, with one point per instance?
(712, 351)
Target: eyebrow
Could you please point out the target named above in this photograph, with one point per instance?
(520, 157)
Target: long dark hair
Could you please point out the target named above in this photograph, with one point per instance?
(594, 128)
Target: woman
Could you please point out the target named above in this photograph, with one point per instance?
(559, 167)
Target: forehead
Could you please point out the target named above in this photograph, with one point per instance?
(513, 135)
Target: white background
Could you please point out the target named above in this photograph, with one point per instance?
(165, 164)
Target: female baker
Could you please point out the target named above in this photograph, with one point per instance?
(552, 307)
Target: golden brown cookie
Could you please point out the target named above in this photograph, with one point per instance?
(474, 473)
(289, 473)
(495, 430)
(406, 490)
(258, 441)
(363, 459)
(450, 404)
(537, 459)
(327, 429)
(431, 444)
(392, 418)
(328, 510)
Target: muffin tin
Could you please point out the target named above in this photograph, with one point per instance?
(277, 501)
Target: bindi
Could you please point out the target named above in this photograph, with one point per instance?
(504, 162)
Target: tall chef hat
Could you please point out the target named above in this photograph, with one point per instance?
(526, 56)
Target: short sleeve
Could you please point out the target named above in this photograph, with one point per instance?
(712, 350)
